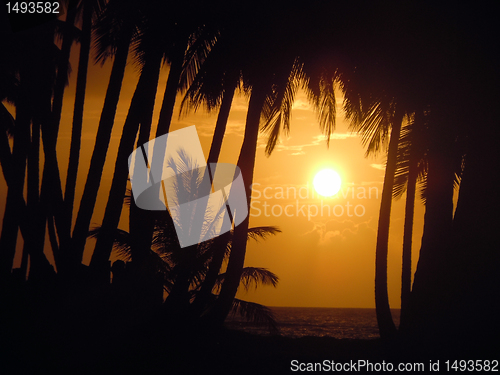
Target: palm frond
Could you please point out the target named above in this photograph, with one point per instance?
(252, 276)
(255, 313)
(277, 108)
(121, 241)
(199, 47)
(212, 78)
(257, 233)
(327, 105)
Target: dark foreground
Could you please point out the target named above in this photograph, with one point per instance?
(150, 347)
(80, 334)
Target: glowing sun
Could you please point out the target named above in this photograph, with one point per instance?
(327, 182)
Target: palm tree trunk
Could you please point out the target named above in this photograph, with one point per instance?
(473, 297)
(213, 157)
(246, 162)
(220, 128)
(76, 133)
(40, 268)
(7, 168)
(103, 137)
(386, 325)
(35, 219)
(51, 192)
(62, 70)
(12, 214)
(33, 104)
(220, 125)
(407, 239)
(142, 222)
(167, 105)
(427, 301)
(141, 109)
(32, 200)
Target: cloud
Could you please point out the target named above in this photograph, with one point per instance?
(207, 128)
(380, 167)
(343, 135)
(337, 232)
(300, 149)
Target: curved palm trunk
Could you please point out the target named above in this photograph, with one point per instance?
(62, 71)
(33, 243)
(7, 168)
(141, 109)
(213, 156)
(430, 286)
(33, 104)
(179, 293)
(103, 137)
(76, 132)
(246, 162)
(12, 213)
(473, 274)
(51, 181)
(32, 200)
(407, 239)
(386, 325)
(142, 222)
(220, 125)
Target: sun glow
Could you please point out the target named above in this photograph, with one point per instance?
(327, 182)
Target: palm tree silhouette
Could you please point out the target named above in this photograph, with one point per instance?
(124, 28)
(185, 269)
(150, 53)
(91, 10)
(32, 60)
(273, 79)
(140, 111)
(181, 34)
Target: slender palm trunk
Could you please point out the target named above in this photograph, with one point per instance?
(407, 239)
(103, 137)
(205, 187)
(33, 104)
(473, 298)
(62, 72)
(386, 325)
(35, 218)
(141, 109)
(51, 197)
(40, 268)
(76, 133)
(220, 248)
(6, 121)
(142, 222)
(12, 214)
(220, 125)
(246, 162)
(7, 168)
(428, 296)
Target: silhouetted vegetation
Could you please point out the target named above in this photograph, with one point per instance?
(420, 84)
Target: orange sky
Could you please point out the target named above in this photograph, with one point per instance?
(321, 261)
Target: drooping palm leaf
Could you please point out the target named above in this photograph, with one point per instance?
(121, 243)
(252, 276)
(257, 233)
(122, 249)
(255, 313)
(277, 108)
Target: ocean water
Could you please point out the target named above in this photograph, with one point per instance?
(341, 323)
